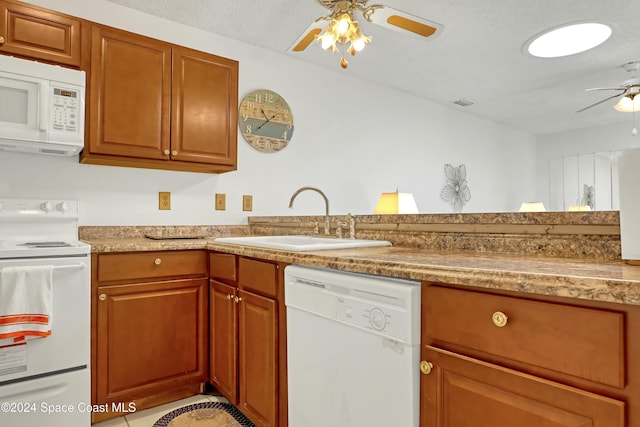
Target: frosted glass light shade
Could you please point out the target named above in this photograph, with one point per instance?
(532, 207)
(628, 104)
(396, 203)
(568, 39)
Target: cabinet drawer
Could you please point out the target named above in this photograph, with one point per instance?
(222, 266)
(257, 276)
(583, 342)
(151, 265)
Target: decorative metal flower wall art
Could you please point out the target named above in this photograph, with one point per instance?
(456, 190)
(588, 197)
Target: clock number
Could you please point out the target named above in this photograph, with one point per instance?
(289, 125)
(248, 129)
(286, 114)
(258, 98)
(245, 116)
(284, 135)
(268, 97)
(251, 106)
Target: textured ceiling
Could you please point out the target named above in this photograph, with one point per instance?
(478, 56)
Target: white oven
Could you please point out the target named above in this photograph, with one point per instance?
(46, 381)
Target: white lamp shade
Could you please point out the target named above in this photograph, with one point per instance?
(532, 207)
(396, 203)
(579, 208)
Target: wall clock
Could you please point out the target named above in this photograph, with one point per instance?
(265, 121)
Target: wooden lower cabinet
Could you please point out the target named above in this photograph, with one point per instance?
(258, 358)
(245, 342)
(509, 359)
(465, 392)
(243, 351)
(223, 339)
(149, 339)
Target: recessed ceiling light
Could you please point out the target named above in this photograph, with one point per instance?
(568, 39)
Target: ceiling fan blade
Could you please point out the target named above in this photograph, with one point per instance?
(307, 37)
(405, 23)
(605, 88)
(600, 102)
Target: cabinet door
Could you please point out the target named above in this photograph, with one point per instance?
(223, 340)
(258, 358)
(464, 392)
(150, 337)
(204, 107)
(130, 95)
(39, 34)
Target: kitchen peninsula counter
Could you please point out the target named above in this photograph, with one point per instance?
(607, 281)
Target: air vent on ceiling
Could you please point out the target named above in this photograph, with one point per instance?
(463, 102)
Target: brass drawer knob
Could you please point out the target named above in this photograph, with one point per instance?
(499, 319)
(167, 152)
(158, 261)
(102, 297)
(174, 153)
(426, 367)
(1, 39)
(238, 299)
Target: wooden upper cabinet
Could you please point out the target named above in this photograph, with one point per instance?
(130, 95)
(38, 33)
(156, 105)
(204, 107)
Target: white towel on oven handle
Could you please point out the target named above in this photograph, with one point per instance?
(26, 300)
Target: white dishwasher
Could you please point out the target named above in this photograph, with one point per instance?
(353, 349)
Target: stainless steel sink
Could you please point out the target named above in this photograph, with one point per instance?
(301, 243)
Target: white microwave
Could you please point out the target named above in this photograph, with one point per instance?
(41, 107)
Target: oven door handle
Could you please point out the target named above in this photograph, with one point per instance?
(69, 267)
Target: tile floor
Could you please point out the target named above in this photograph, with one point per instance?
(147, 417)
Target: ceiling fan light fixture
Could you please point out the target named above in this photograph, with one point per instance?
(628, 103)
(343, 29)
(568, 39)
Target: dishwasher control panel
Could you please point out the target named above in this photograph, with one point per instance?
(384, 306)
(389, 321)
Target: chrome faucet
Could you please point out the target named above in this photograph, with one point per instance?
(327, 226)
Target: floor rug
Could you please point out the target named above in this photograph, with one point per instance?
(206, 414)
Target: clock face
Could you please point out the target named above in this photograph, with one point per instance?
(265, 121)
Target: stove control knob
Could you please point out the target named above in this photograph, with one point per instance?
(62, 206)
(46, 206)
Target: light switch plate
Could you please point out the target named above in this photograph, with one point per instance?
(247, 203)
(164, 200)
(221, 202)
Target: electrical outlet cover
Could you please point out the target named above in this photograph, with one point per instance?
(164, 200)
(247, 203)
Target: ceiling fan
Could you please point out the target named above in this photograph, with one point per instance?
(343, 28)
(628, 89)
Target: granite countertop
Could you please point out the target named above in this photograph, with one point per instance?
(609, 281)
